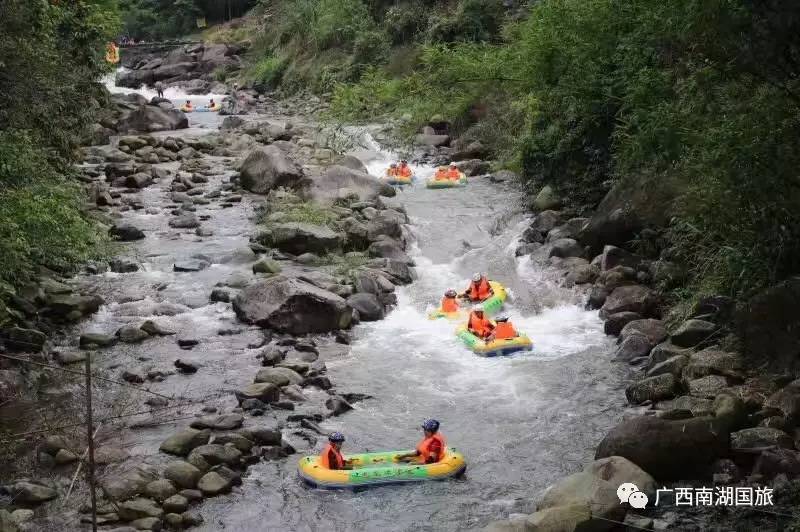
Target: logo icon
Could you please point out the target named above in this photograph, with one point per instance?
(628, 492)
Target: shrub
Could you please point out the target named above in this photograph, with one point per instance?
(267, 72)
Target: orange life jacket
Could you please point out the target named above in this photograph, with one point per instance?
(504, 330)
(391, 172)
(440, 175)
(449, 304)
(454, 174)
(481, 327)
(424, 448)
(404, 171)
(325, 458)
(481, 290)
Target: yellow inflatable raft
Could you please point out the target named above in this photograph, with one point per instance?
(187, 109)
(446, 183)
(399, 180)
(370, 469)
(492, 305)
(494, 348)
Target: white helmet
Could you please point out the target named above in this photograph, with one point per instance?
(477, 308)
(476, 277)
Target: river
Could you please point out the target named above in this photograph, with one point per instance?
(521, 421)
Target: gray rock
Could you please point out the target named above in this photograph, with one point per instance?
(633, 347)
(297, 238)
(583, 490)
(341, 182)
(653, 330)
(266, 266)
(634, 298)
(338, 405)
(566, 247)
(128, 484)
(185, 221)
(758, 437)
(262, 435)
(546, 199)
(182, 443)
(264, 391)
(183, 474)
(278, 376)
(693, 332)
(154, 329)
(653, 388)
(667, 449)
(176, 504)
(160, 490)
(215, 454)
(223, 422)
(664, 351)
(131, 334)
(293, 306)
(139, 508)
(31, 493)
(212, 484)
(613, 256)
(390, 249)
(673, 366)
(368, 306)
(432, 140)
(97, 339)
(713, 362)
(787, 400)
(190, 266)
(265, 169)
(126, 233)
(237, 440)
(17, 339)
(708, 386)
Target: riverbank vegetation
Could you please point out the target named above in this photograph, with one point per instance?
(154, 20)
(697, 101)
(51, 55)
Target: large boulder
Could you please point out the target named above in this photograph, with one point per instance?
(653, 388)
(298, 238)
(713, 361)
(668, 449)
(268, 168)
(32, 493)
(386, 223)
(630, 206)
(584, 490)
(148, 118)
(635, 298)
(292, 306)
(183, 442)
(619, 470)
(787, 400)
(693, 332)
(18, 339)
(654, 330)
(613, 256)
(758, 437)
(546, 199)
(769, 324)
(342, 182)
(368, 306)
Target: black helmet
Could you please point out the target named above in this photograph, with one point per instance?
(336, 437)
(451, 293)
(431, 425)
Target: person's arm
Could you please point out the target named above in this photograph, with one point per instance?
(407, 456)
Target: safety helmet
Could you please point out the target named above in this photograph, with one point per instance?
(453, 165)
(404, 161)
(501, 319)
(392, 165)
(431, 425)
(336, 437)
(477, 308)
(451, 293)
(477, 277)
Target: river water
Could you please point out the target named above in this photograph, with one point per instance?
(521, 421)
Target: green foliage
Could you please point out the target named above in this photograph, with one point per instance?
(701, 97)
(473, 21)
(163, 19)
(51, 56)
(289, 208)
(266, 73)
(404, 22)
